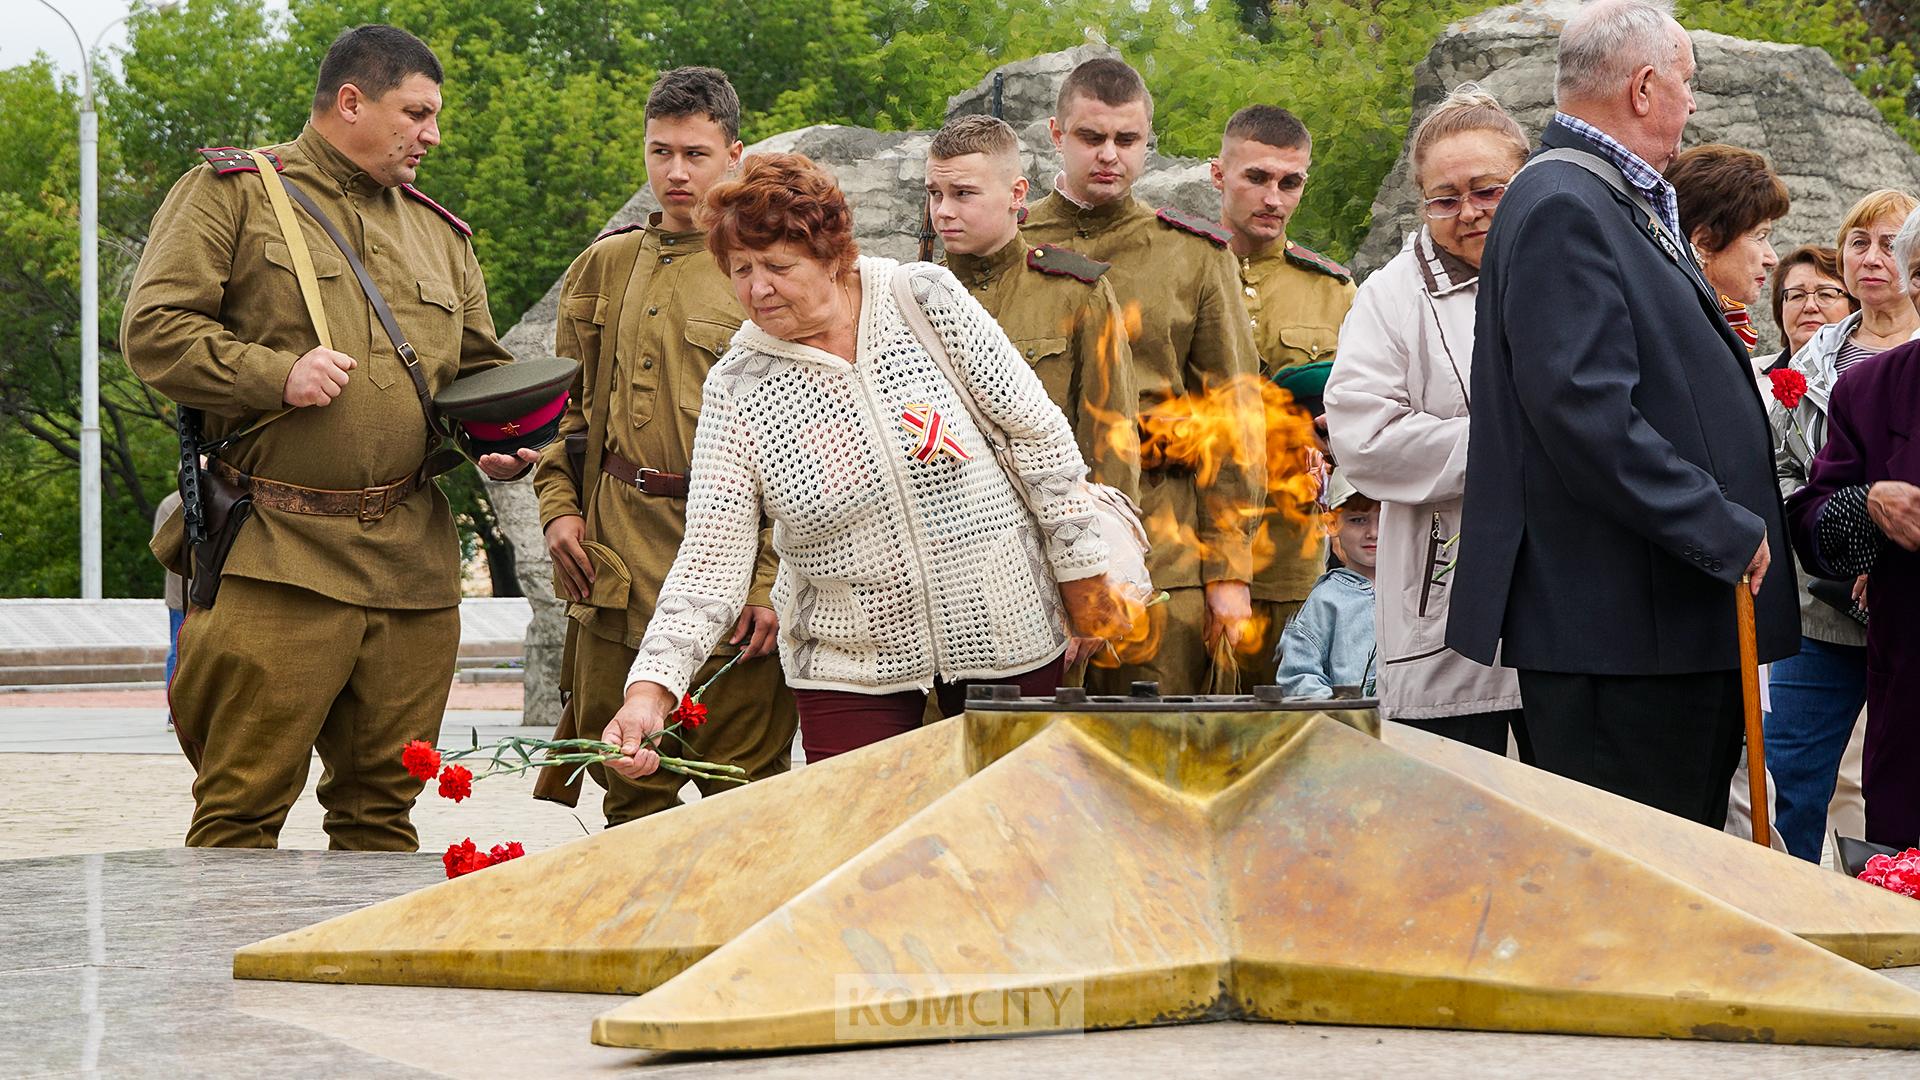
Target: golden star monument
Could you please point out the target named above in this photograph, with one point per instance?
(1067, 863)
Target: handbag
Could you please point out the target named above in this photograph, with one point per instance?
(1115, 516)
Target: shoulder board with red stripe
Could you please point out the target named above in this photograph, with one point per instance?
(453, 219)
(231, 159)
(1313, 260)
(1198, 226)
(1065, 262)
(618, 229)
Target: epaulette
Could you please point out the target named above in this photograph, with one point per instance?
(1065, 262)
(618, 229)
(1313, 260)
(1198, 226)
(453, 219)
(231, 159)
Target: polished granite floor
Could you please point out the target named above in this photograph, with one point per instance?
(117, 965)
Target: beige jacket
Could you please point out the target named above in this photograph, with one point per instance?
(1397, 416)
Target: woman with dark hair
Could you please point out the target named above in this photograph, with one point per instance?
(908, 561)
(1807, 295)
(1817, 695)
(1729, 199)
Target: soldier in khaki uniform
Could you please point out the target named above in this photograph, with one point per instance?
(338, 618)
(1054, 303)
(1297, 300)
(647, 313)
(1173, 274)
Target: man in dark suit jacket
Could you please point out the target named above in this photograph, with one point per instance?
(1619, 470)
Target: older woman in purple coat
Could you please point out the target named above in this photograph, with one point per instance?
(1860, 514)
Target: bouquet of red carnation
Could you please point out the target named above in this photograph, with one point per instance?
(1899, 873)
(464, 857)
(513, 754)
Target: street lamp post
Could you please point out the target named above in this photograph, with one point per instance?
(90, 308)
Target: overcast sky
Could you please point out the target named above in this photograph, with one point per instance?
(31, 28)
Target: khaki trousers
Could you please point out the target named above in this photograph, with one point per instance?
(750, 723)
(1259, 667)
(273, 673)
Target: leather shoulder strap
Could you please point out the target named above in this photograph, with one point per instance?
(408, 358)
(597, 420)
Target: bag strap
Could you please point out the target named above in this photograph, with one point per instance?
(597, 419)
(404, 349)
(1663, 237)
(303, 273)
(929, 338)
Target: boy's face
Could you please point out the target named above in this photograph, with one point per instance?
(686, 155)
(975, 201)
(1358, 532)
(1103, 148)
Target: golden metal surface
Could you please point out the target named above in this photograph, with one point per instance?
(626, 909)
(1117, 869)
(1862, 922)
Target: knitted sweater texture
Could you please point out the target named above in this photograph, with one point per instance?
(893, 570)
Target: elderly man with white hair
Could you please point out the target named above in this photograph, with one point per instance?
(1860, 514)
(1619, 468)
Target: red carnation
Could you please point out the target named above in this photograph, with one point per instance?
(690, 713)
(456, 783)
(464, 858)
(1789, 386)
(421, 760)
(509, 850)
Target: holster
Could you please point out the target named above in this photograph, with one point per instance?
(228, 506)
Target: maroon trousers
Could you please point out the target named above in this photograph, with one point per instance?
(835, 721)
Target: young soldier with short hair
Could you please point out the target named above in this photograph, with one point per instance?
(647, 313)
(1055, 304)
(1297, 300)
(1192, 338)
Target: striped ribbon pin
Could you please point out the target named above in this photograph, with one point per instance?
(930, 428)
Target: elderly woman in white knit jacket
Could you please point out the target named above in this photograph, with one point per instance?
(1397, 405)
(908, 562)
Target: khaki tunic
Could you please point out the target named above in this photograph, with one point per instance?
(677, 314)
(1072, 332)
(215, 321)
(1296, 305)
(1193, 336)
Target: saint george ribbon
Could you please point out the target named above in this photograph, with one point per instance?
(931, 428)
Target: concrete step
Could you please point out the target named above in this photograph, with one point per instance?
(55, 674)
(491, 675)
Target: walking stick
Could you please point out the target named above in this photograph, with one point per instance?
(1750, 694)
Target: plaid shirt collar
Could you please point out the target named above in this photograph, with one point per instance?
(1641, 175)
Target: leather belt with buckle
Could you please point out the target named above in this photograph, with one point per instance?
(671, 485)
(367, 504)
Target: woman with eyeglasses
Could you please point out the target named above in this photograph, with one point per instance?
(1818, 694)
(1807, 295)
(1397, 412)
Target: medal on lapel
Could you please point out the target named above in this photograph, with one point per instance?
(929, 429)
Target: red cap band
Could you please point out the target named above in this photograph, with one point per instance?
(545, 414)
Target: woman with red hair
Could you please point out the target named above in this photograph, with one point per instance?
(908, 561)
